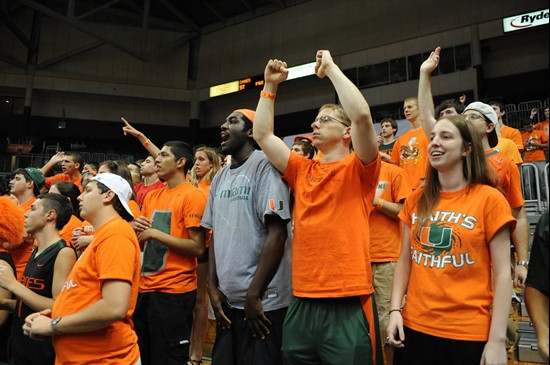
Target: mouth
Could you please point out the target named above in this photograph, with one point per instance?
(225, 138)
(436, 154)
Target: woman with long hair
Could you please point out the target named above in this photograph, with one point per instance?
(207, 165)
(454, 262)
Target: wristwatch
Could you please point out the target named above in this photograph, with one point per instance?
(523, 263)
(53, 325)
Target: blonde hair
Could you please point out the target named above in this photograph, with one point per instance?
(212, 156)
(339, 111)
(474, 169)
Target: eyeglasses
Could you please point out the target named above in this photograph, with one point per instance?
(323, 119)
(474, 117)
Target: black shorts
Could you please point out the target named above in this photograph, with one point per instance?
(236, 346)
(421, 348)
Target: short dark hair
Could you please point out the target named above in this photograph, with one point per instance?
(93, 164)
(308, 148)
(36, 189)
(450, 103)
(498, 103)
(392, 122)
(119, 168)
(181, 149)
(61, 206)
(71, 191)
(117, 205)
(77, 158)
(526, 121)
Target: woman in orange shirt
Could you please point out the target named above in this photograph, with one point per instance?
(207, 165)
(456, 230)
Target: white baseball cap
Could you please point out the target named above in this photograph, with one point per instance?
(119, 186)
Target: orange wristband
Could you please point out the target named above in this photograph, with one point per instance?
(146, 143)
(267, 95)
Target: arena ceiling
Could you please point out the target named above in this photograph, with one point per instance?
(189, 19)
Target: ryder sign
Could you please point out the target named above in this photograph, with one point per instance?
(523, 21)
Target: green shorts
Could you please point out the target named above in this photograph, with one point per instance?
(326, 331)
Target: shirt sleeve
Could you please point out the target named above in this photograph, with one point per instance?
(514, 194)
(193, 209)
(395, 152)
(292, 169)
(273, 194)
(401, 188)
(409, 207)
(496, 214)
(116, 256)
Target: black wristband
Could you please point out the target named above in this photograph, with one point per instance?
(394, 310)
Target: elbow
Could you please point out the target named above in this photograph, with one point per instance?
(117, 313)
(200, 251)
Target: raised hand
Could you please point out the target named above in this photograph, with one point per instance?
(323, 61)
(431, 63)
(58, 157)
(275, 72)
(128, 129)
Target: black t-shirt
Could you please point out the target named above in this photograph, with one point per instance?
(537, 275)
(38, 277)
(386, 148)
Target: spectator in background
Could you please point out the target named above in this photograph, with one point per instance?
(410, 151)
(304, 148)
(72, 164)
(120, 168)
(71, 192)
(135, 172)
(90, 167)
(449, 107)
(534, 141)
(542, 126)
(504, 130)
(207, 165)
(150, 182)
(388, 130)
(536, 290)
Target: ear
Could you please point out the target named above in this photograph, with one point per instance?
(109, 196)
(467, 150)
(51, 215)
(490, 128)
(347, 133)
(180, 163)
(249, 133)
(77, 165)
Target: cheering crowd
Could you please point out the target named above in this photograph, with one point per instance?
(348, 248)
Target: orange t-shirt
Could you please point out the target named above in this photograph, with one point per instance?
(134, 207)
(512, 134)
(330, 250)
(21, 253)
(450, 286)
(63, 177)
(532, 153)
(172, 211)
(508, 176)
(67, 232)
(410, 152)
(112, 255)
(508, 147)
(543, 126)
(385, 232)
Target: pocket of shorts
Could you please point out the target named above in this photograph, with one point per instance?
(178, 347)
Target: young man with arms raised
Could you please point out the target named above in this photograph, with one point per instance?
(44, 276)
(484, 120)
(169, 227)
(90, 320)
(72, 164)
(331, 273)
(250, 281)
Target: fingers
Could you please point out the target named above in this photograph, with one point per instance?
(125, 122)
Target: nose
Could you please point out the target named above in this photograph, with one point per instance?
(80, 197)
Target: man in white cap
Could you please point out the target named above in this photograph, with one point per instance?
(90, 320)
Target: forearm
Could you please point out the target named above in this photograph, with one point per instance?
(270, 258)
(390, 209)
(96, 316)
(350, 97)
(425, 102)
(537, 306)
(212, 273)
(183, 246)
(47, 167)
(501, 306)
(265, 113)
(400, 278)
(520, 235)
(35, 301)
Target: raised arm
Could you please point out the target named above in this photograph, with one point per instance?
(425, 99)
(146, 142)
(57, 158)
(274, 148)
(363, 135)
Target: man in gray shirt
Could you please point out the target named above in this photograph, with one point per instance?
(250, 281)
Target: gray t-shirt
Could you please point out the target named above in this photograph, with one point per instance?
(238, 203)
